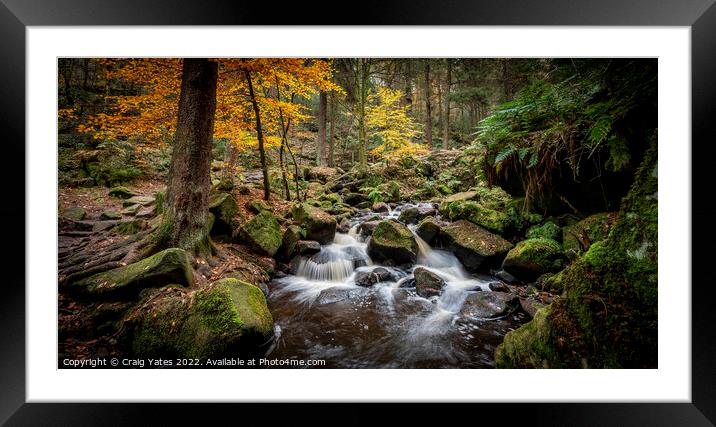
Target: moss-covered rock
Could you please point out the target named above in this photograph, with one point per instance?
(225, 184)
(413, 214)
(257, 206)
(75, 213)
(491, 219)
(548, 230)
(533, 257)
(428, 229)
(580, 236)
(224, 208)
(607, 315)
(166, 267)
(392, 242)
(130, 210)
(122, 193)
(262, 233)
(474, 246)
(319, 225)
(110, 215)
(289, 240)
(332, 198)
(226, 318)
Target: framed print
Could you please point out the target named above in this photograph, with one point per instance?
(379, 210)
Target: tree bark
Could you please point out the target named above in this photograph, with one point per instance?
(321, 149)
(185, 220)
(332, 131)
(446, 108)
(259, 134)
(428, 112)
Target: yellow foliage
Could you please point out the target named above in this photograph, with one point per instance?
(390, 122)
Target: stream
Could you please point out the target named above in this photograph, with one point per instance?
(321, 313)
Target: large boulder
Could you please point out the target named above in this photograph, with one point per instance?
(170, 266)
(531, 258)
(224, 208)
(319, 225)
(606, 317)
(427, 283)
(485, 304)
(474, 246)
(262, 233)
(580, 236)
(496, 221)
(428, 229)
(224, 319)
(392, 242)
(257, 206)
(289, 240)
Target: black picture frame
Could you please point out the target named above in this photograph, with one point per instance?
(16, 15)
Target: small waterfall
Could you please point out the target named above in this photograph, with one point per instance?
(335, 262)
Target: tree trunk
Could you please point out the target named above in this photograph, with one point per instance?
(446, 108)
(321, 149)
(428, 112)
(185, 221)
(332, 131)
(259, 134)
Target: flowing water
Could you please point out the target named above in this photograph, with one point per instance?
(321, 313)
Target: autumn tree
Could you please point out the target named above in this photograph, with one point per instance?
(390, 123)
(185, 220)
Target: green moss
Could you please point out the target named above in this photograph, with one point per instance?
(476, 213)
(262, 233)
(529, 346)
(533, 257)
(129, 227)
(168, 266)
(258, 206)
(121, 193)
(392, 241)
(106, 215)
(75, 213)
(578, 237)
(225, 208)
(607, 315)
(319, 225)
(158, 203)
(548, 230)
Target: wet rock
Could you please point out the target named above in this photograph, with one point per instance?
(474, 246)
(75, 213)
(507, 277)
(308, 247)
(377, 275)
(414, 214)
(380, 207)
(533, 257)
(356, 255)
(489, 304)
(319, 225)
(262, 233)
(338, 294)
(103, 225)
(367, 228)
(392, 241)
(170, 266)
(499, 287)
(344, 226)
(428, 229)
(427, 283)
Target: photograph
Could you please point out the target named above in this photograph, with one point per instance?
(357, 212)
